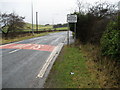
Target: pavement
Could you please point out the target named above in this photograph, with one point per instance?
(27, 63)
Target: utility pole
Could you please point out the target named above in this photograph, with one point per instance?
(36, 21)
(32, 17)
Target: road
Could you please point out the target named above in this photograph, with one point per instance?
(23, 60)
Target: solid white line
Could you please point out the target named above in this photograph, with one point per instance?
(48, 61)
(14, 51)
(44, 68)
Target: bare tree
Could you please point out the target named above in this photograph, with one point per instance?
(11, 22)
(102, 10)
(80, 6)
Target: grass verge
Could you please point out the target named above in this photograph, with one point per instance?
(71, 60)
(106, 70)
(21, 37)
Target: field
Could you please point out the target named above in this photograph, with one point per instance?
(28, 27)
(42, 27)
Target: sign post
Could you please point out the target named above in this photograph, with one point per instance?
(68, 35)
(71, 19)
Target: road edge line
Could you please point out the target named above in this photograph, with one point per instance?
(45, 66)
(52, 57)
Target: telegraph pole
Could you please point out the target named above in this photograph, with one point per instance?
(36, 21)
(32, 17)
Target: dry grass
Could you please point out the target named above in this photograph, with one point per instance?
(20, 37)
(104, 69)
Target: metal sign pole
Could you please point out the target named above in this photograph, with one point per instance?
(68, 35)
(75, 32)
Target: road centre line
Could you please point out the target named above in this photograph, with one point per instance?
(14, 51)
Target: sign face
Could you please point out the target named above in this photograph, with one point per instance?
(71, 18)
(119, 5)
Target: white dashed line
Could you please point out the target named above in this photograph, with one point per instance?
(14, 51)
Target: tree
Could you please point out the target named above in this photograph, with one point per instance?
(92, 23)
(102, 10)
(11, 23)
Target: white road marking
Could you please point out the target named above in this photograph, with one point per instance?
(36, 47)
(45, 66)
(48, 61)
(55, 40)
(14, 51)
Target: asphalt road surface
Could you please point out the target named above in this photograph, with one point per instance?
(23, 60)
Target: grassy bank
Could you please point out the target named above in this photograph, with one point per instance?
(21, 37)
(71, 71)
(105, 69)
(89, 69)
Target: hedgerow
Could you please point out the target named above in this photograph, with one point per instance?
(110, 41)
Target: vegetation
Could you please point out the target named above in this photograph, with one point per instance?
(28, 26)
(92, 24)
(62, 28)
(70, 71)
(13, 25)
(20, 37)
(110, 41)
(94, 59)
(11, 22)
(104, 69)
(98, 30)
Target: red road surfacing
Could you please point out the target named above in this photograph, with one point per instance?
(29, 46)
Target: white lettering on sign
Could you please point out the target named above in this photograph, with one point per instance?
(71, 18)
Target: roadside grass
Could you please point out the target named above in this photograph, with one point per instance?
(106, 70)
(70, 60)
(21, 37)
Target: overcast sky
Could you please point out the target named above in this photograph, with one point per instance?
(49, 11)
